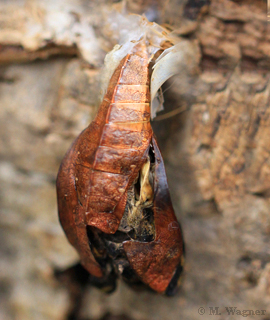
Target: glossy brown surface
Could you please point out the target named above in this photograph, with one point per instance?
(155, 262)
(104, 163)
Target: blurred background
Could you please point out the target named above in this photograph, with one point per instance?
(216, 154)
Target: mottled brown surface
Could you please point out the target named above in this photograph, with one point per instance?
(216, 156)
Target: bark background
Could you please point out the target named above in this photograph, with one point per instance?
(216, 155)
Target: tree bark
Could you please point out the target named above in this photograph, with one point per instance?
(216, 154)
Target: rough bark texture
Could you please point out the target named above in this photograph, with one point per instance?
(216, 155)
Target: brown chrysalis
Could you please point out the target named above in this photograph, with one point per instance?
(113, 198)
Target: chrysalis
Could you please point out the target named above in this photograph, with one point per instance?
(113, 198)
